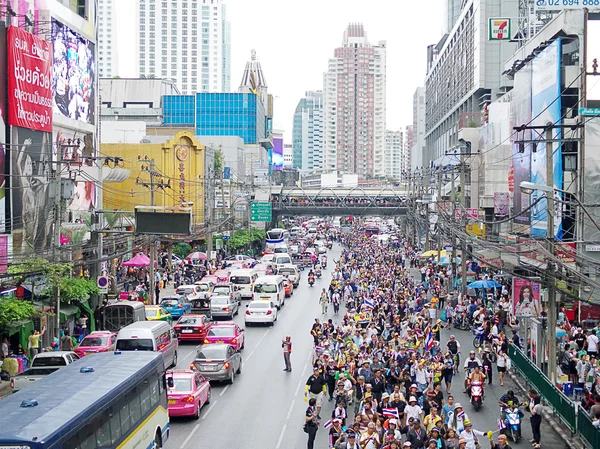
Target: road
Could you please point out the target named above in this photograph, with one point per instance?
(264, 408)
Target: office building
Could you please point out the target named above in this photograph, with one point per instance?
(307, 133)
(354, 106)
(107, 40)
(418, 128)
(187, 41)
(288, 155)
(451, 13)
(394, 154)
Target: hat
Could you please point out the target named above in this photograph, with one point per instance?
(462, 441)
(467, 423)
(351, 435)
(316, 368)
(412, 399)
(433, 440)
(457, 405)
(407, 444)
(435, 429)
(337, 420)
(413, 386)
(393, 421)
(385, 395)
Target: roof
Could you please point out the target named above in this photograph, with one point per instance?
(66, 396)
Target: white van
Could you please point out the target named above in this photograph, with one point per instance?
(282, 259)
(269, 288)
(156, 336)
(243, 280)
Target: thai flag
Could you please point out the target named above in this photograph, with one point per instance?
(391, 413)
(369, 304)
(460, 415)
(429, 341)
(319, 348)
(328, 424)
(501, 424)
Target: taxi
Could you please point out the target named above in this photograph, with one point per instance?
(188, 392)
(158, 313)
(98, 341)
(226, 333)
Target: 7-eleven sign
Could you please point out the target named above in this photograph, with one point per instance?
(500, 29)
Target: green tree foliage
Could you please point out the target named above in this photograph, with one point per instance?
(12, 310)
(182, 250)
(219, 162)
(77, 289)
(242, 238)
(36, 266)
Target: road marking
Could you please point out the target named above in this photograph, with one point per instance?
(224, 390)
(298, 387)
(290, 410)
(249, 355)
(189, 437)
(280, 440)
(209, 409)
(304, 369)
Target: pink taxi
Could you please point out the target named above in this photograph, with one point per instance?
(188, 392)
(98, 341)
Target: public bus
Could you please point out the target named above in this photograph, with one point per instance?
(277, 235)
(371, 230)
(109, 400)
(123, 313)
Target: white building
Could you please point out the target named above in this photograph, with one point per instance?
(107, 40)
(418, 147)
(354, 104)
(307, 133)
(187, 41)
(288, 156)
(395, 154)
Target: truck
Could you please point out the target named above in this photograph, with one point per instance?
(43, 364)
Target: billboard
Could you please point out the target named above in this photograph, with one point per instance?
(31, 172)
(29, 86)
(277, 159)
(520, 114)
(72, 74)
(526, 298)
(3, 128)
(593, 52)
(545, 109)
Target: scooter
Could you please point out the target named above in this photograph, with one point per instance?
(318, 273)
(476, 393)
(479, 339)
(311, 281)
(512, 423)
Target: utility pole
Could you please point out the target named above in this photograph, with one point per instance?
(426, 182)
(463, 226)
(437, 208)
(452, 186)
(552, 317)
(57, 220)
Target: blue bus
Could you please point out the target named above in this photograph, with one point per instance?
(109, 400)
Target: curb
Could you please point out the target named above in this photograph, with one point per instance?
(570, 440)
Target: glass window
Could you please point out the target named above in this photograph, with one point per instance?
(115, 426)
(154, 386)
(135, 411)
(145, 398)
(103, 438)
(124, 415)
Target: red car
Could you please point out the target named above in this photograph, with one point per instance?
(189, 393)
(98, 341)
(226, 333)
(192, 327)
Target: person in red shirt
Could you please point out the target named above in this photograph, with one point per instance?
(287, 352)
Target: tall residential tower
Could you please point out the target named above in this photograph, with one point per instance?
(187, 41)
(354, 106)
(107, 40)
(307, 134)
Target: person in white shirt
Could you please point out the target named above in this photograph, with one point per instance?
(412, 410)
(592, 343)
(471, 435)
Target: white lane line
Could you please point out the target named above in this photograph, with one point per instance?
(290, 410)
(249, 355)
(224, 390)
(189, 437)
(280, 440)
(209, 409)
(298, 387)
(304, 369)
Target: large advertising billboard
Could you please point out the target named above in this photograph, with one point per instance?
(72, 74)
(593, 52)
(277, 160)
(526, 298)
(546, 109)
(29, 86)
(3, 127)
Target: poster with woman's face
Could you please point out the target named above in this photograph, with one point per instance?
(526, 298)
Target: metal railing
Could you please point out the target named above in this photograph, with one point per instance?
(563, 407)
(586, 429)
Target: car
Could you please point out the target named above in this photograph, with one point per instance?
(291, 272)
(321, 249)
(192, 291)
(294, 249)
(267, 259)
(158, 313)
(188, 391)
(218, 362)
(192, 327)
(223, 306)
(260, 312)
(176, 305)
(227, 289)
(288, 286)
(263, 269)
(97, 341)
(229, 333)
(239, 258)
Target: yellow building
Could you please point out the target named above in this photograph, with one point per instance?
(178, 175)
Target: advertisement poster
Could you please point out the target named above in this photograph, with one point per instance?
(29, 86)
(501, 204)
(31, 170)
(520, 114)
(72, 74)
(2, 127)
(277, 159)
(546, 108)
(24, 9)
(526, 298)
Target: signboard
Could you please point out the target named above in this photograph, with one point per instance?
(472, 212)
(226, 172)
(29, 81)
(500, 30)
(590, 112)
(102, 284)
(592, 248)
(566, 252)
(501, 204)
(261, 211)
(560, 5)
(526, 298)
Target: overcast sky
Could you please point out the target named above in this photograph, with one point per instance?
(294, 40)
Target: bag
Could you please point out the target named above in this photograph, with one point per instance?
(508, 364)
(305, 428)
(444, 316)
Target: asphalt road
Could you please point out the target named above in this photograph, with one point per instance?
(265, 406)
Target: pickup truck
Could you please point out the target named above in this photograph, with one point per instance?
(43, 364)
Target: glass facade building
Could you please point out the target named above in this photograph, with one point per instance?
(218, 114)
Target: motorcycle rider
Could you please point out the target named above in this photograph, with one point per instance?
(311, 276)
(470, 363)
(477, 376)
(508, 400)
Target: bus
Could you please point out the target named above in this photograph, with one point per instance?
(121, 314)
(277, 235)
(371, 230)
(109, 400)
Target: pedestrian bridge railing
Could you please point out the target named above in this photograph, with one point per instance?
(586, 429)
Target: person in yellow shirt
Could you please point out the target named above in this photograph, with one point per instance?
(34, 342)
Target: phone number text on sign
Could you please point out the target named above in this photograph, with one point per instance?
(559, 5)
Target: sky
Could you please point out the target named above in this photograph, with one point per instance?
(295, 39)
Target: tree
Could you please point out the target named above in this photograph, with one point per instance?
(219, 162)
(12, 310)
(77, 289)
(182, 250)
(53, 273)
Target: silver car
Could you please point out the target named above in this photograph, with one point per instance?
(218, 362)
(223, 306)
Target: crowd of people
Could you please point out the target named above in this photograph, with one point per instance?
(382, 363)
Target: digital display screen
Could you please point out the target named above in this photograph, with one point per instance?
(277, 157)
(72, 74)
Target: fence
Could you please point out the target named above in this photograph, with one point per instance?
(563, 407)
(586, 429)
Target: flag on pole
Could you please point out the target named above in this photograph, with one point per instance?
(328, 424)
(501, 424)
(369, 304)
(391, 413)
(429, 341)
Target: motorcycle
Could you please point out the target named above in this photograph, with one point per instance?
(318, 273)
(311, 281)
(476, 394)
(479, 339)
(324, 262)
(512, 423)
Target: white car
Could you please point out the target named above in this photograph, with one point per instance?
(260, 312)
(321, 249)
(267, 258)
(240, 258)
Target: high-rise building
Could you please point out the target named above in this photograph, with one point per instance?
(354, 106)
(107, 40)
(418, 147)
(307, 133)
(394, 154)
(288, 155)
(187, 41)
(451, 13)
(409, 138)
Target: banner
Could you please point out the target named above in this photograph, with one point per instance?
(526, 298)
(501, 204)
(29, 83)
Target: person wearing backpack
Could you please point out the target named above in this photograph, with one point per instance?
(66, 342)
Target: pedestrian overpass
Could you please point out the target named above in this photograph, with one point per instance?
(336, 201)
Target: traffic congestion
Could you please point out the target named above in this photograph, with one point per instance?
(340, 335)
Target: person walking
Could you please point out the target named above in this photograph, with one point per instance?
(535, 407)
(311, 424)
(324, 300)
(66, 342)
(287, 352)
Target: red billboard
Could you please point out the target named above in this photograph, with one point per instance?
(29, 81)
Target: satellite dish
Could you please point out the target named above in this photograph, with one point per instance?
(145, 141)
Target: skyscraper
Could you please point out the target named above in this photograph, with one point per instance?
(395, 154)
(355, 106)
(187, 41)
(107, 40)
(307, 134)
(418, 147)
